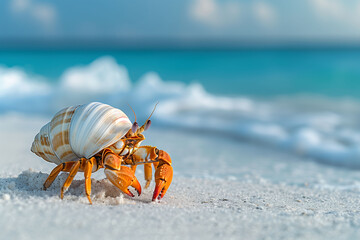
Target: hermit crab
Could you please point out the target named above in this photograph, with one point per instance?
(88, 137)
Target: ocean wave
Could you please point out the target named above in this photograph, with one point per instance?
(15, 83)
(315, 127)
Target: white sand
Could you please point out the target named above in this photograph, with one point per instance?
(222, 188)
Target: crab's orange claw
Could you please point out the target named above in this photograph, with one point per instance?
(122, 179)
(135, 184)
(159, 189)
(163, 175)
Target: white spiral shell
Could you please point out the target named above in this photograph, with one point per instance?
(80, 131)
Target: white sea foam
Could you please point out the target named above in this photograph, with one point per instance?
(100, 79)
(315, 127)
(103, 76)
(15, 83)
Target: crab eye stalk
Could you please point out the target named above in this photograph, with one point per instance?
(134, 127)
(147, 124)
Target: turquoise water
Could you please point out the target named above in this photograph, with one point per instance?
(256, 73)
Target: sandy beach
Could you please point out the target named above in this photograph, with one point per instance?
(243, 191)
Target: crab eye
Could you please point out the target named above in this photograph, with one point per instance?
(134, 127)
(147, 124)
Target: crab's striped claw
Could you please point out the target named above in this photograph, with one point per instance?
(163, 175)
(122, 179)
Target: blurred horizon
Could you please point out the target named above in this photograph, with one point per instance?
(188, 24)
(173, 44)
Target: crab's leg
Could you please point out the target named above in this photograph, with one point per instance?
(55, 172)
(74, 169)
(148, 174)
(87, 174)
(146, 155)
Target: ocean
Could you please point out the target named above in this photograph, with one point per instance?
(258, 73)
(301, 101)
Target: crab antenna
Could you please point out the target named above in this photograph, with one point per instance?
(135, 124)
(152, 112)
(132, 110)
(148, 122)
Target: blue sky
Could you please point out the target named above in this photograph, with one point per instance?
(314, 20)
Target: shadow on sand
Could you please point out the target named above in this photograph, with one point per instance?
(29, 184)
